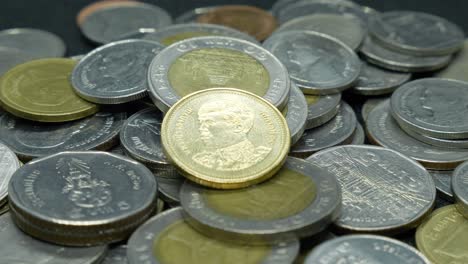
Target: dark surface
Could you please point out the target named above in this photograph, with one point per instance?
(58, 16)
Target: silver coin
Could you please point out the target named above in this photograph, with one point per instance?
(359, 136)
(192, 15)
(443, 183)
(193, 247)
(365, 249)
(346, 28)
(318, 63)
(427, 109)
(12, 57)
(116, 255)
(115, 73)
(369, 105)
(9, 163)
(460, 188)
(169, 184)
(383, 190)
(30, 139)
(174, 33)
(392, 60)
(417, 33)
(109, 23)
(280, 5)
(35, 42)
(383, 130)
(136, 34)
(82, 198)
(438, 142)
(211, 68)
(458, 67)
(20, 248)
(378, 81)
(335, 132)
(297, 113)
(322, 108)
(141, 138)
(232, 217)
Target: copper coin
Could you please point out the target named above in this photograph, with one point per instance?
(89, 9)
(251, 20)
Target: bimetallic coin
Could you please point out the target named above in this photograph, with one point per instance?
(116, 255)
(443, 183)
(192, 15)
(169, 184)
(416, 33)
(442, 237)
(383, 191)
(297, 113)
(10, 58)
(383, 130)
(458, 67)
(369, 105)
(310, 197)
(167, 238)
(322, 108)
(40, 90)
(365, 249)
(82, 198)
(9, 163)
(460, 188)
(359, 136)
(318, 63)
(338, 131)
(210, 62)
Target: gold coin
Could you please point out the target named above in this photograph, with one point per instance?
(40, 90)
(225, 138)
(443, 236)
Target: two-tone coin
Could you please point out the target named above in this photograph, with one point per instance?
(457, 68)
(443, 183)
(370, 104)
(167, 238)
(169, 184)
(460, 188)
(9, 164)
(359, 137)
(116, 255)
(296, 113)
(321, 108)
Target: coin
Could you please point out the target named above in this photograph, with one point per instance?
(392, 60)
(365, 249)
(460, 188)
(443, 183)
(18, 247)
(210, 62)
(91, 8)
(322, 108)
(9, 164)
(82, 198)
(370, 104)
(192, 15)
(318, 63)
(438, 142)
(458, 66)
(348, 29)
(10, 58)
(33, 139)
(416, 33)
(378, 81)
(40, 90)
(359, 136)
(299, 201)
(116, 255)
(167, 238)
(4, 208)
(169, 184)
(140, 33)
(118, 149)
(297, 113)
(383, 191)
(108, 23)
(172, 34)
(383, 130)
(442, 236)
(338, 131)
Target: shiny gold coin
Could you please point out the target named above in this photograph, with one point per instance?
(40, 90)
(183, 35)
(443, 236)
(225, 138)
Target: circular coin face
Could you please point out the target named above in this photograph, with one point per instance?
(9, 164)
(460, 188)
(443, 183)
(225, 138)
(395, 192)
(40, 90)
(297, 113)
(322, 108)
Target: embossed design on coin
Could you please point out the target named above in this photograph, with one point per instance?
(9, 163)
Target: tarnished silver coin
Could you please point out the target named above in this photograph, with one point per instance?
(378, 81)
(210, 62)
(335, 132)
(20, 248)
(383, 130)
(365, 249)
(115, 73)
(36, 43)
(424, 107)
(310, 195)
(322, 108)
(30, 139)
(12, 57)
(297, 112)
(383, 191)
(369, 105)
(438, 142)
(318, 63)
(393, 60)
(110, 23)
(82, 198)
(443, 183)
(416, 33)
(359, 136)
(116, 255)
(169, 184)
(348, 29)
(458, 67)
(460, 188)
(9, 163)
(141, 138)
(192, 15)
(167, 238)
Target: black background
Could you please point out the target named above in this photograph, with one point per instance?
(58, 16)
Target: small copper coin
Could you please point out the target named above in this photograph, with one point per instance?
(89, 9)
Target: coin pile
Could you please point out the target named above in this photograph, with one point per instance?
(234, 136)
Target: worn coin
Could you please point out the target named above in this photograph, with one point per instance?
(40, 90)
(192, 15)
(335, 132)
(458, 67)
(321, 108)
(383, 130)
(370, 104)
(35, 42)
(416, 33)
(167, 238)
(365, 249)
(438, 142)
(11, 57)
(169, 184)
(443, 183)
(82, 198)
(116, 255)
(359, 136)
(9, 163)
(297, 113)
(211, 62)
(318, 63)
(383, 191)
(460, 188)
(300, 200)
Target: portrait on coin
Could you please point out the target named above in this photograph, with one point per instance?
(442, 109)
